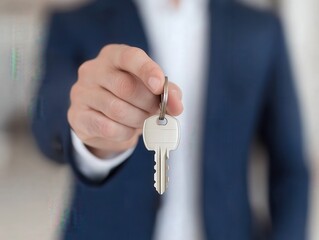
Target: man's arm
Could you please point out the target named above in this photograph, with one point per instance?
(282, 133)
(105, 100)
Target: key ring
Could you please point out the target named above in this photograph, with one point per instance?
(164, 98)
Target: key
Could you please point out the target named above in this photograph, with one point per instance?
(161, 136)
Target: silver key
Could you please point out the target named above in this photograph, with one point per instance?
(161, 134)
(161, 138)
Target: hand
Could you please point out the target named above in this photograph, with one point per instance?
(114, 94)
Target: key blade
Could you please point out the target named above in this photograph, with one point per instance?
(163, 170)
(160, 175)
(157, 173)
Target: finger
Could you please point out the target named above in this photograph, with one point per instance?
(91, 123)
(137, 62)
(174, 103)
(130, 89)
(114, 108)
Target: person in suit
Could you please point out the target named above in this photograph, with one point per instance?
(104, 71)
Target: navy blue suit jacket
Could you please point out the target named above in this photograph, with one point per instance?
(250, 92)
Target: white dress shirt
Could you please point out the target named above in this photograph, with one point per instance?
(178, 40)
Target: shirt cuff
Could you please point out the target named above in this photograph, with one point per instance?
(91, 166)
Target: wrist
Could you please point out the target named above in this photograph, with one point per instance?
(103, 153)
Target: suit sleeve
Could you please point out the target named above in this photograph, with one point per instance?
(50, 127)
(282, 133)
(49, 123)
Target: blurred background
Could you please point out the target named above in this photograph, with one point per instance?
(34, 193)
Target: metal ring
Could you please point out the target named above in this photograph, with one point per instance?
(164, 98)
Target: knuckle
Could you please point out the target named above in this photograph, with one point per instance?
(107, 49)
(131, 142)
(134, 140)
(139, 120)
(74, 92)
(85, 68)
(111, 49)
(148, 68)
(93, 126)
(117, 108)
(82, 135)
(75, 126)
(129, 53)
(126, 87)
(70, 116)
(137, 52)
(84, 138)
(109, 132)
(102, 127)
(154, 70)
(129, 133)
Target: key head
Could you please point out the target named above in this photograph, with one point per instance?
(165, 136)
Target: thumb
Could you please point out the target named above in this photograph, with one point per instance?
(174, 104)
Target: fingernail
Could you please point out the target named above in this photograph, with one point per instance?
(154, 83)
(177, 93)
